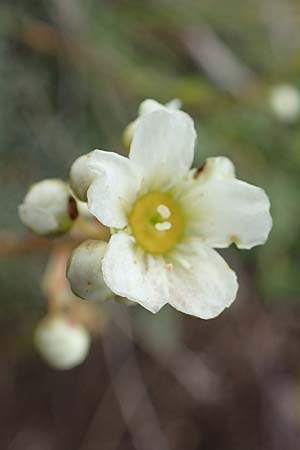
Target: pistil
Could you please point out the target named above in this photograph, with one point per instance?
(157, 222)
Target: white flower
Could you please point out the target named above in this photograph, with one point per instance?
(48, 208)
(147, 106)
(63, 344)
(285, 102)
(84, 271)
(81, 176)
(166, 219)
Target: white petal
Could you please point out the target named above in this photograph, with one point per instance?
(219, 168)
(230, 211)
(131, 273)
(113, 189)
(163, 146)
(201, 283)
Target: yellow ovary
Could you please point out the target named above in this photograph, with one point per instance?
(157, 222)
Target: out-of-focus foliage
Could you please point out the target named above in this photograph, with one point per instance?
(73, 73)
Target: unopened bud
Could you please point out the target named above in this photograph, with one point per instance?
(285, 102)
(63, 344)
(84, 271)
(48, 208)
(147, 106)
(81, 177)
(128, 134)
(217, 168)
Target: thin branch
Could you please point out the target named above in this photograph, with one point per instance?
(13, 244)
(210, 53)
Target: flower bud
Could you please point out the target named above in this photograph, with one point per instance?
(216, 168)
(128, 134)
(84, 271)
(63, 344)
(48, 208)
(285, 102)
(147, 106)
(81, 177)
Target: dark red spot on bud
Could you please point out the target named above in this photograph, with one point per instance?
(72, 208)
(199, 170)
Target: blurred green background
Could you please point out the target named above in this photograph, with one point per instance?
(72, 74)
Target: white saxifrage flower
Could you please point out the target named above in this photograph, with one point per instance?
(63, 344)
(48, 208)
(166, 219)
(147, 106)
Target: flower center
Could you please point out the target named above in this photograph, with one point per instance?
(157, 222)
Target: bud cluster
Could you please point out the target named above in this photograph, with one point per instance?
(53, 208)
(162, 218)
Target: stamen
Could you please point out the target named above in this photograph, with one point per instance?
(185, 264)
(163, 226)
(157, 222)
(164, 211)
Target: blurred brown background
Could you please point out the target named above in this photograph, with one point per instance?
(72, 74)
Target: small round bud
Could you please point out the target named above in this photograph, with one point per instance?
(48, 208)
(81, 177)
(84, 271)
(63, 344)
(285, 102)
(128, 134)
(216, 168)
(147, 106)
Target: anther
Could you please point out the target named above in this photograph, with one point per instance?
(163, 226)
(164, 211)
